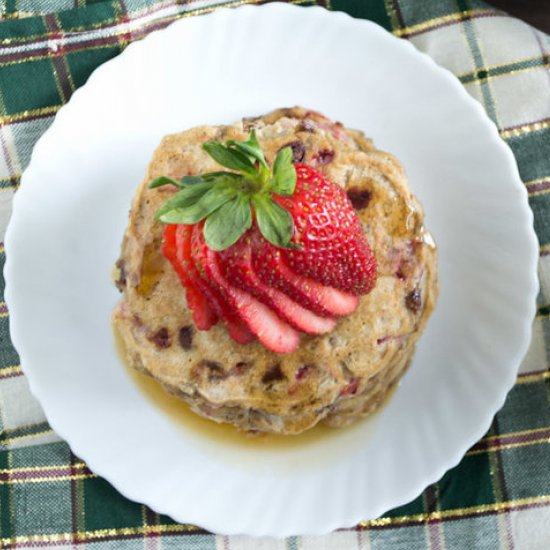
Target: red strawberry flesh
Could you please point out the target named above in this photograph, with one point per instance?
(187, 253)
(272, 331)
(236, 264)
(333, 249)
(203, 315)
(320, 299)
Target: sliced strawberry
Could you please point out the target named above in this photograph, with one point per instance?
(272, 331)
(203, 315)
(236, 266)
(235, 327)
(273, 272)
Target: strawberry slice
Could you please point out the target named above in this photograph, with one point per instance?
(272, 331)
(203, 315)
(273, 272)
(235, 327)
(236, 265)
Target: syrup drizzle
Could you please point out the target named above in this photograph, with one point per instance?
(312, 449)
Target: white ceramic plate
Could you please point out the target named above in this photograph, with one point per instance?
(71, 211)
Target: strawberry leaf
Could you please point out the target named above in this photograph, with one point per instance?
(191, 180)
(209, 202)
(284, 173)
(164, 180)
(222, 174)
(251, 147)
(225, 226)
(184, 198)
(275, 223)
(230, 158)
(223, 197)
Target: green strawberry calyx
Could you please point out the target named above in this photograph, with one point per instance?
(228, 201)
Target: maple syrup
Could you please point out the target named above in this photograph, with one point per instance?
(309, 450)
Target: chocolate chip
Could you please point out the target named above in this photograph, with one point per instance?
(298, 150)
(399, 274)
(120, 283)
(304, 370)
(323, 156)
(413, 300)
(306, 126)
(240, 368)
(215, 370)
(273, 374)
(161, 338)
(359, 198)
(185, 337)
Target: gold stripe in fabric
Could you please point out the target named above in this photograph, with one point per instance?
(31, 113)
(540, 186)
(500, 447)
(515, 434)
(531, 183)
(545, 248)
(60, 467)
(498, 442)
(502, 66)
(497, 507)
(394, 15)
(536, 377)
(18, 15)
(75, 477)
(472, 77)
(10, 371)
(525, 129)
(89, 536)
(437, 21)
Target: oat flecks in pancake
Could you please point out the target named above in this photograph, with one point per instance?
(336, 377)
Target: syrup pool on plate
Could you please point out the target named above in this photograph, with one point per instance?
(289, 453)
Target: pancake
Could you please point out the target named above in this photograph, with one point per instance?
(334, 378)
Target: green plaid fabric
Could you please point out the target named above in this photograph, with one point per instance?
(497, 497)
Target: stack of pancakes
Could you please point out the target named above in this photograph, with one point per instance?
(334, 378)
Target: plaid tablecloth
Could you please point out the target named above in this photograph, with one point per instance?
(497, 497)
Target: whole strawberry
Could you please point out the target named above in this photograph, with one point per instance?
(293, 248)
(330, 245)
